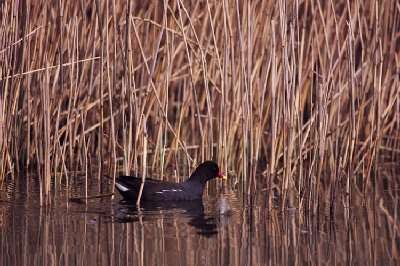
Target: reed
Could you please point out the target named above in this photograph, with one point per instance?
(306, 93)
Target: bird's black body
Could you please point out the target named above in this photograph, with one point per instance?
(156, 190)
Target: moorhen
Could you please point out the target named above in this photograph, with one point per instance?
(157, 190)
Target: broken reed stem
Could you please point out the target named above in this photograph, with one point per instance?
(87, 197)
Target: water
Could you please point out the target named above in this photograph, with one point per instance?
(224, 229)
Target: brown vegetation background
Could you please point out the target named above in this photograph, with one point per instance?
(305, 93)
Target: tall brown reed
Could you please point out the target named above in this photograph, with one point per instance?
(305, 92)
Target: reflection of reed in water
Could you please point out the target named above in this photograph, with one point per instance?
(104, 232)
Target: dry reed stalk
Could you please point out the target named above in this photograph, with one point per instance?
(46, 137)
(306, 92)
(2, 137)
(144, 160)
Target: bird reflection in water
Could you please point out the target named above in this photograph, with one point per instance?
(205, 225)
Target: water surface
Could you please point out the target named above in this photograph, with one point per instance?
(244, 231)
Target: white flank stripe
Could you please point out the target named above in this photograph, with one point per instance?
(170, 190)
(121, 187)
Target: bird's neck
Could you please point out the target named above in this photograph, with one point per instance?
(197, 179)
(196, 185)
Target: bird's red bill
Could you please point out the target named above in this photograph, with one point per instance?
(221, 175)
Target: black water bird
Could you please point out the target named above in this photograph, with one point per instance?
(157, 190)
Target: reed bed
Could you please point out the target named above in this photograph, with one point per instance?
(305, 93)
